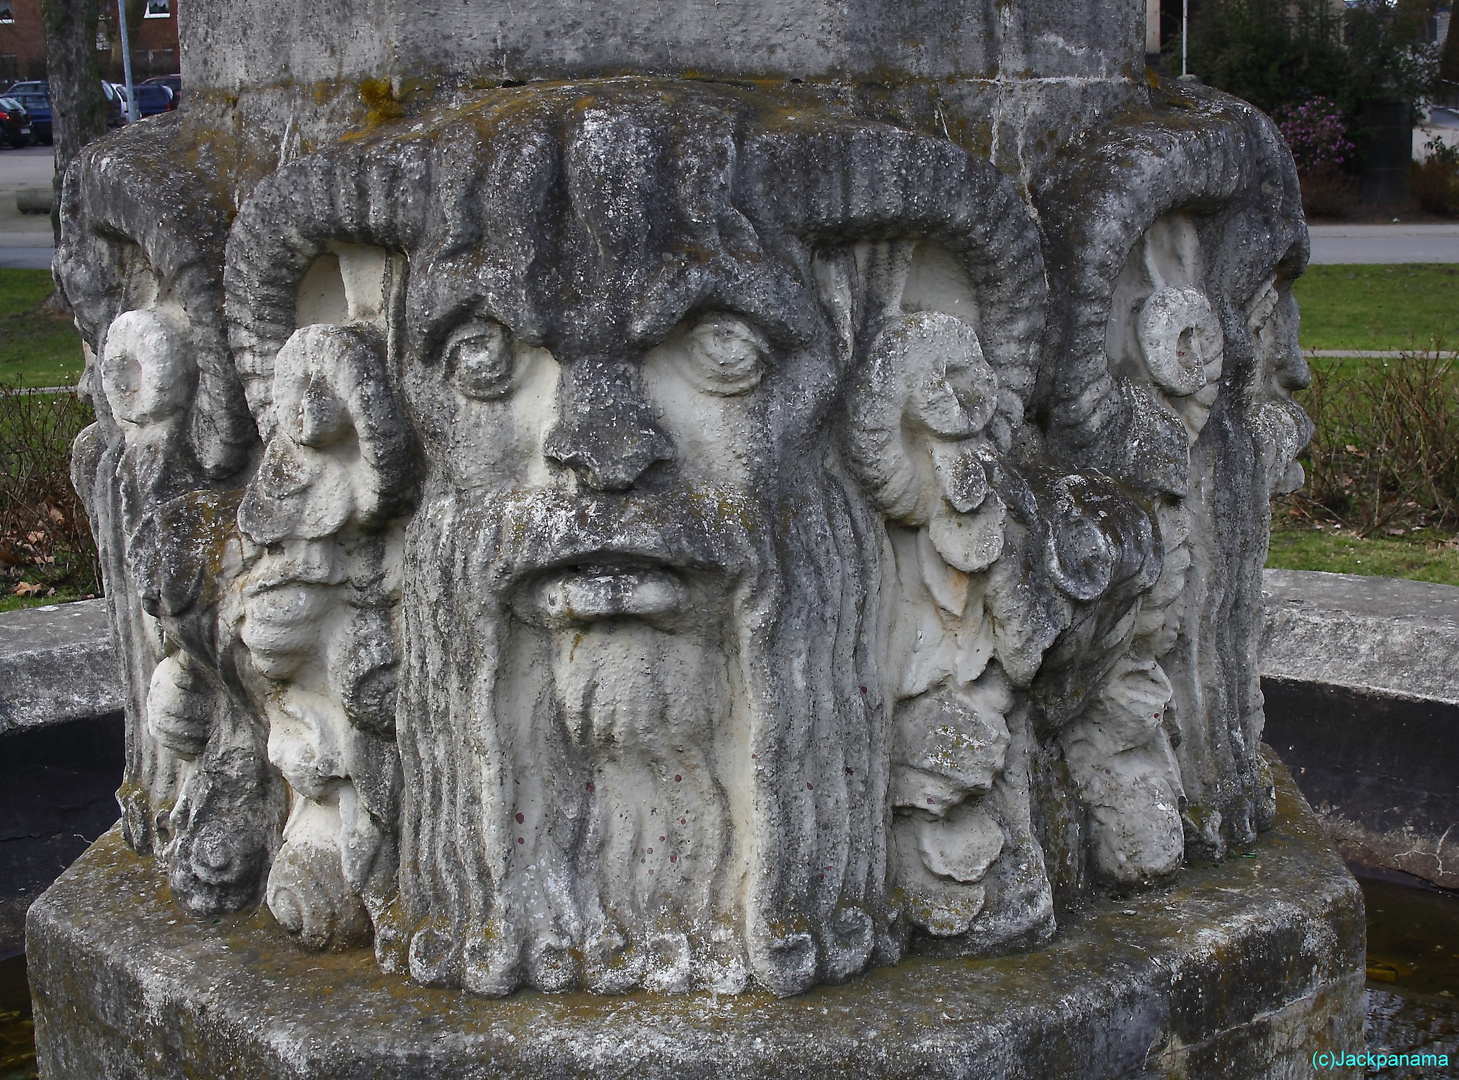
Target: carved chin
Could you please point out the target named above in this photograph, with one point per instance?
(624, 683)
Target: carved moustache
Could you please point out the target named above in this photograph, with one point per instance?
(560, 558)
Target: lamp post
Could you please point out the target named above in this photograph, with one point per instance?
(1185, 11)
(126, 60)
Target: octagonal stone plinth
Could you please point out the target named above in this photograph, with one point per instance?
(1243, 969)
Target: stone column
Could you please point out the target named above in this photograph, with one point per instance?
(698, 499)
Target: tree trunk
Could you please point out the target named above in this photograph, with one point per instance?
(78, 107)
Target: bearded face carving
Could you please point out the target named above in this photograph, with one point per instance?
(667, 560)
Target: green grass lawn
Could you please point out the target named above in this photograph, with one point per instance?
(1379, 307)
(1422, 555)
(11, 602)
(36, 347)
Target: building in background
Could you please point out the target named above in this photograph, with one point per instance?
(22, 41)
(153, 38)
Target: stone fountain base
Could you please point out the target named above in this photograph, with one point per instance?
(1240, 970)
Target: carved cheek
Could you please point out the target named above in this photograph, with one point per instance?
(281, 627)
(497, 442)
(720, 438)
(303, 745)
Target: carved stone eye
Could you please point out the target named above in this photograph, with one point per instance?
(724, 355)
(480, 360)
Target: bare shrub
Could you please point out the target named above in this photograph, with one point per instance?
(45, 541)
(1329, 193)
(1385, 454)
(1435, 180)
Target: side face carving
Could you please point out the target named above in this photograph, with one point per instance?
(1179, 269)
(677, 551)
(317, 617)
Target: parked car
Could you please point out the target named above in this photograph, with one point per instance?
(172, 82)
(14, 123)
(116, 100)
(151, 99)
(35, 99)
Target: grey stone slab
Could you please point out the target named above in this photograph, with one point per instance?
(235, 45)
(57, 663)
(1360, 689)
(1374, 634)
(1379, 769)
(992, 76)
(1242, 969)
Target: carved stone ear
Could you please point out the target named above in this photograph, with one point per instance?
(1181, 340)
(837, 181)
(339, 452)
(141, 229)
(147, 373)
(1160, 214)
(1098, 540)
(924, 385)
(354, 197)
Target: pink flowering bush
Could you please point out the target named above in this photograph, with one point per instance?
(1317, 135)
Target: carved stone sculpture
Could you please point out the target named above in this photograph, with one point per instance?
(640, 533)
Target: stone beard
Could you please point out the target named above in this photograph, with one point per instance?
(598, 750)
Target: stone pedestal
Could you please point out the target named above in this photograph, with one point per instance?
(1242, 969)
(723, 498)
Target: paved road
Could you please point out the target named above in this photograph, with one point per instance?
(25, 239)
(28, 256)
(1348, 244)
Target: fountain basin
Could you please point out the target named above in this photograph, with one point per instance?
(1242, 969)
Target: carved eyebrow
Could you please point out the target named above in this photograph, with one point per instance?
(782, 315)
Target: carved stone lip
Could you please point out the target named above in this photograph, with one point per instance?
(291, 577)
(606, 586)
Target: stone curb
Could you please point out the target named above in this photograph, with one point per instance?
(1238, 969)
(1370, 634)
(57, 663)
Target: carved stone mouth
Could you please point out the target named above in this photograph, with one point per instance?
(603, 589)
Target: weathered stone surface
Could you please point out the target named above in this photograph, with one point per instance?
(686, 530)
(242, 45)
(1013, 82)
(658, 533)
(1242, 969)
(1369, 634)
(57, 664)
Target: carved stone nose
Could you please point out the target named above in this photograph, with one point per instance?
(605, 430)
